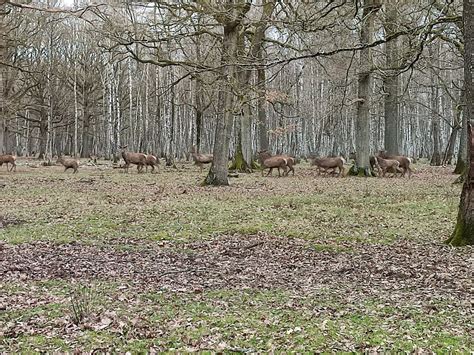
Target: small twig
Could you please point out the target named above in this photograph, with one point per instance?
(183, 271)
(252, 245)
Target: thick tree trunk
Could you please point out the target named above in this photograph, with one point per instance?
(362, 135)
(464, 231)
(391, 84)
(243, 155)
(218, 173)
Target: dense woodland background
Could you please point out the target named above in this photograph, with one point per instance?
(86, 78)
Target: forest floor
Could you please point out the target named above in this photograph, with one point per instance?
(113, 262)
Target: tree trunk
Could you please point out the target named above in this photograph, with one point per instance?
(262, 114)
(218, 173)
(362, 135)
(243, 155)
(86, 135)
(199, 113)
(43, 134)
(391, 84)
(435, 125)
(258, 52)
(448, 156)
(461, 162)
(3, 78)
(456, 126)
(464, 231)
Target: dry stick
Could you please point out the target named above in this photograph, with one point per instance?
(251, 246)
(185, 270)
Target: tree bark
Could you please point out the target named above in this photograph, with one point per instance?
(464, 231)
(461, 162)
(261, 101)
(362, 135)
(391, 84)
(218, 173)
(3, 78)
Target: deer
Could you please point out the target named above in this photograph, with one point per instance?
(290, 161)
(327, 163)
(8, 159)
(68, 163)
(152, 161)
(384, 165)
(271, 162)
(139, 159)
(201, 159)
(404, 161)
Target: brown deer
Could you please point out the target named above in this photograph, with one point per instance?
(68, 163)
(290, 163)
(327, 163)
(384, 165)
(8, 159)
(139, 159)
(404, 161)
(152, 161)
(267, 161)
(201, 159)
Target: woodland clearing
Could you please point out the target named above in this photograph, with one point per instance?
(107, 261)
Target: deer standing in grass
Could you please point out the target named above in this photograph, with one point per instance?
(68, 163)
(152, 161)
(8, 159)
(327, 163)
(271, 162)
(139, 159)
(404, 161)
(201, 159)
(385, 165)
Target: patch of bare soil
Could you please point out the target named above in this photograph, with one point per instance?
(258, 262)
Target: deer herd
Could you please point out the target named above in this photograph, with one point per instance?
(382, 163)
